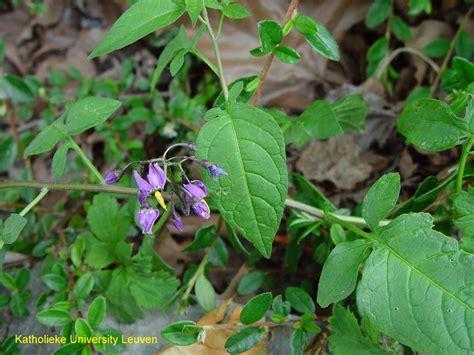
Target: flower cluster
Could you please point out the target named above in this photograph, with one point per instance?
(190, 195)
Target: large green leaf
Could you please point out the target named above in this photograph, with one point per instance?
(431, 124)
(108, 223)
(324, 43)
(339, 276)
(47, 138)
(319, 121)
(418, 288)
(153, 290)
(141, 19)
(248, 144)
(89, 112)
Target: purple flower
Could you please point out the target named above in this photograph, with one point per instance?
(196, 191)
(177, 221)
(154, 184)
(216, 170)
(113, 176)
(147, 217)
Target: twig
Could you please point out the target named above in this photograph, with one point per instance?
(230, 290)
(452, 45)
(268, 62)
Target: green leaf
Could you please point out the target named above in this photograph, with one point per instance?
(339, 276)
(244, 340)
(414, 275)
(376, 54)
(421, 92)
(251, 198)
(12, 228)
(378, 13)
(194, 8)
(324, 43)
(351, 112)
(179, 42)
(22, 278)
(270, 35)
(82, 328)
(280, 307)
(18, 304)
(400, 29)
(204, 238)
(464, 46)
(381, 199)
(250, 282)
(54, 317)
(178, 62)
(96, 312)
(69, 349)
(347, 337)
(205, 293)
(153, 291)
(89, 112)
(141, 19)
(59, 161)
(256, 308)
(417, 6)
(83, 286)
(236, 11)
(305, 25)
(175, 333)
(299, 300)
(219, 255)
(299, 341)
(7, 281)
(9, 150)
(47, 138)
(54, 282)
(14, 88)
(287, 55)
(319, 121)
(462, 203)
(431, 125)
(213, 4)
(437, 48)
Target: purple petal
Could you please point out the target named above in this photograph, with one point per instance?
(156, 176)
(178, 224)
(142, 184)
(196, 191)
(201, 185)
(202, 209)
(142, 198)
(216, 170)
(112, 176)
(146, 218)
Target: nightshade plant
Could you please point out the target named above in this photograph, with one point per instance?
(410, 283)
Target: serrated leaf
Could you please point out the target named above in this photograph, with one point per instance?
(431, 125)
(59, 161)
(256, 308)
(381, 199)
(324, 43)
(251, 198)
(89, 112)
(417, 288)
(108, 223)
(12, 228)
(205, 293)
(347, 337)
(244, 340)
(319, 121)
(339, 276)
(153, 290)
(141, 19)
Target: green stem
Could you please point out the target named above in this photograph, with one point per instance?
(466, 149)
(86, 160)
(350, 227)
(213, 38)
(69, 187)
(36, 200)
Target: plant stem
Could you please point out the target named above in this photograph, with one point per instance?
(86, 160)
(466, 149)
(69, 187)
(220, 69)
(36, 200)
(452, 45)
(269, 61)
(199, 272)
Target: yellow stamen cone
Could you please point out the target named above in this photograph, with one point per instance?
(204, 214)
(160, 199)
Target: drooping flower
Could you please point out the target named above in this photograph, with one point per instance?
(196, 191)
(147, 217)
(113, 176)
(216, 170)
(177, 221)
(154, 184)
